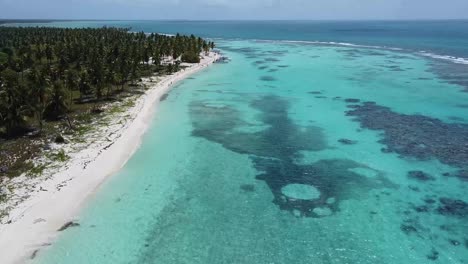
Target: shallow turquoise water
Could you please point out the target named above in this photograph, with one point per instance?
(236, 157)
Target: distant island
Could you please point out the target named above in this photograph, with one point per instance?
(14, 21)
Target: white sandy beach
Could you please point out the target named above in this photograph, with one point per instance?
(48, 205)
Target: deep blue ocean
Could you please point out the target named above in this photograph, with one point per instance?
(449, 37)
(319, 142)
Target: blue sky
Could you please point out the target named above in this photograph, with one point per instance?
(234, 9)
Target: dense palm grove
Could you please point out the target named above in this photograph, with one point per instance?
(45, 72)
(56, 82)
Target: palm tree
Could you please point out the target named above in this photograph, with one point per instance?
(40, 68)
(11, 102)
(57, 103)
(70, 82)
(39, 89)
(84, 85)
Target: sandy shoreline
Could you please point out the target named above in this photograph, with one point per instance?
(36, 219)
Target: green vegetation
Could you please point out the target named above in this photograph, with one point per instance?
(54, 80)
(190, 58)
(59, 156)
(37, 170)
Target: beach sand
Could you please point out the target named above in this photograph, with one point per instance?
(34, 221)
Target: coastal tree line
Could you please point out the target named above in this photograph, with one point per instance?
(46, 72)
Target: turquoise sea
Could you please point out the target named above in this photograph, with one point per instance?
(319, 142)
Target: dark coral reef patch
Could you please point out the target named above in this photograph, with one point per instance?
(346, 141)
(268, 78)
(416, 136)
(420, 176)
(453, 207)
(275, 151)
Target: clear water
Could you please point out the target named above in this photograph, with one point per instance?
(267, 160)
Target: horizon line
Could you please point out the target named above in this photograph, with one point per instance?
(234, 20)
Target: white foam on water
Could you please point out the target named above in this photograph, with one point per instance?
(458, 60)
(445, 57)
